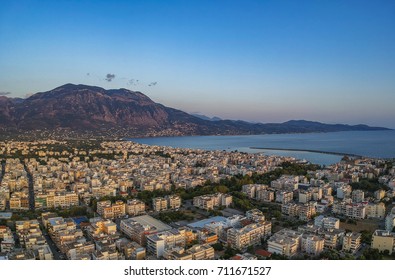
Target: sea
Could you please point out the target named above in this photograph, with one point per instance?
(314, 147)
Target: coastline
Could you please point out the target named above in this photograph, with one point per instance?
(308, 150)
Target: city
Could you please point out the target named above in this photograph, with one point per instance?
(119, 200)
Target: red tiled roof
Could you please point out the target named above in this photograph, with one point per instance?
(263, 253)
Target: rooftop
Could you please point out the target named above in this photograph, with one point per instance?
(202, 223)
(150, 221)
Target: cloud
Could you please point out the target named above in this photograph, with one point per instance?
(110, 77)
(152, 84)
(5, 93)
(133, 82)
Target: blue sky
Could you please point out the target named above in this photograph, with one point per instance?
(270, 61)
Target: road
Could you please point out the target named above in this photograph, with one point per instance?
(57, 255)
(32, 205)
(1, 179)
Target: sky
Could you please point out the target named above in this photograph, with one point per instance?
(266, 61)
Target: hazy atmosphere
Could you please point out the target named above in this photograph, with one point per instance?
(331, 61)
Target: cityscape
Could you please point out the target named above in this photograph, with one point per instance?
(118, 200)
(151, 132)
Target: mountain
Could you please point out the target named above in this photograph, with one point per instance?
(203, 117)
(88, 111)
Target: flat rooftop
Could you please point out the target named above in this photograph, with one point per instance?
(5, 215)
(202, 223)
(152, 222)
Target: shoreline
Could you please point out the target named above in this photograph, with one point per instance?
(308, 150)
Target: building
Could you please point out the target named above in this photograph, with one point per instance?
(290, 209)
(306, 211)
(251, 190)
(383, 240)
(135, 207)
(250, 235)
(108, 210)
(284, 197)
(285, 242)
(159, 204)
(138, 228)
(79, 250)
(343, 191)
(351, 210)
(351, 241)
(327, 222)
(173, 201)
(208, 202)
(158, 242)
(255, 215)
(201, 252)
(375, 210)
(390, 220)
(379, 194)
(177, 253)
(357, 196)
(312, 244)
(61, 199)
(265, 195)
(305, 196)
(131, 249)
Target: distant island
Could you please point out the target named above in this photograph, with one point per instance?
(82, 111)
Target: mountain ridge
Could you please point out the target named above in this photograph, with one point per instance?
(90, 111)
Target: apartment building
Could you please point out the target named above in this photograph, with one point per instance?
(375, 210)
(109, 210)
(351, 241)
(19, 201)
(201, 252)
(357, 196)
(208, 202)
(251, 190)
(134, 207)
(284, 197)
(249, 235)
(383, 240)
(255, 215)
(306, 211)
(390, 220)
(290, 209)
(312, 244)
(173, 201)
(61, 199)
(285, 242)
(327, 222)
(265, 195)
(351, 210)
(305, 196)
(158, 242)
(343, 191)
(138, 228)
(159, 204)
(131, 249)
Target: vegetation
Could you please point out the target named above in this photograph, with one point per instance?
(74, 211)
(368, 185)
(174, 216)
(218, 246)
(230, 252)
(372, 254)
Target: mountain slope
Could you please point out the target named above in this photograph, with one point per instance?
(89, 111)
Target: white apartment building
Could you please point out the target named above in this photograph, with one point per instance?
(285, 242)
(248, 235)
(327, 222)
(351, 241)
